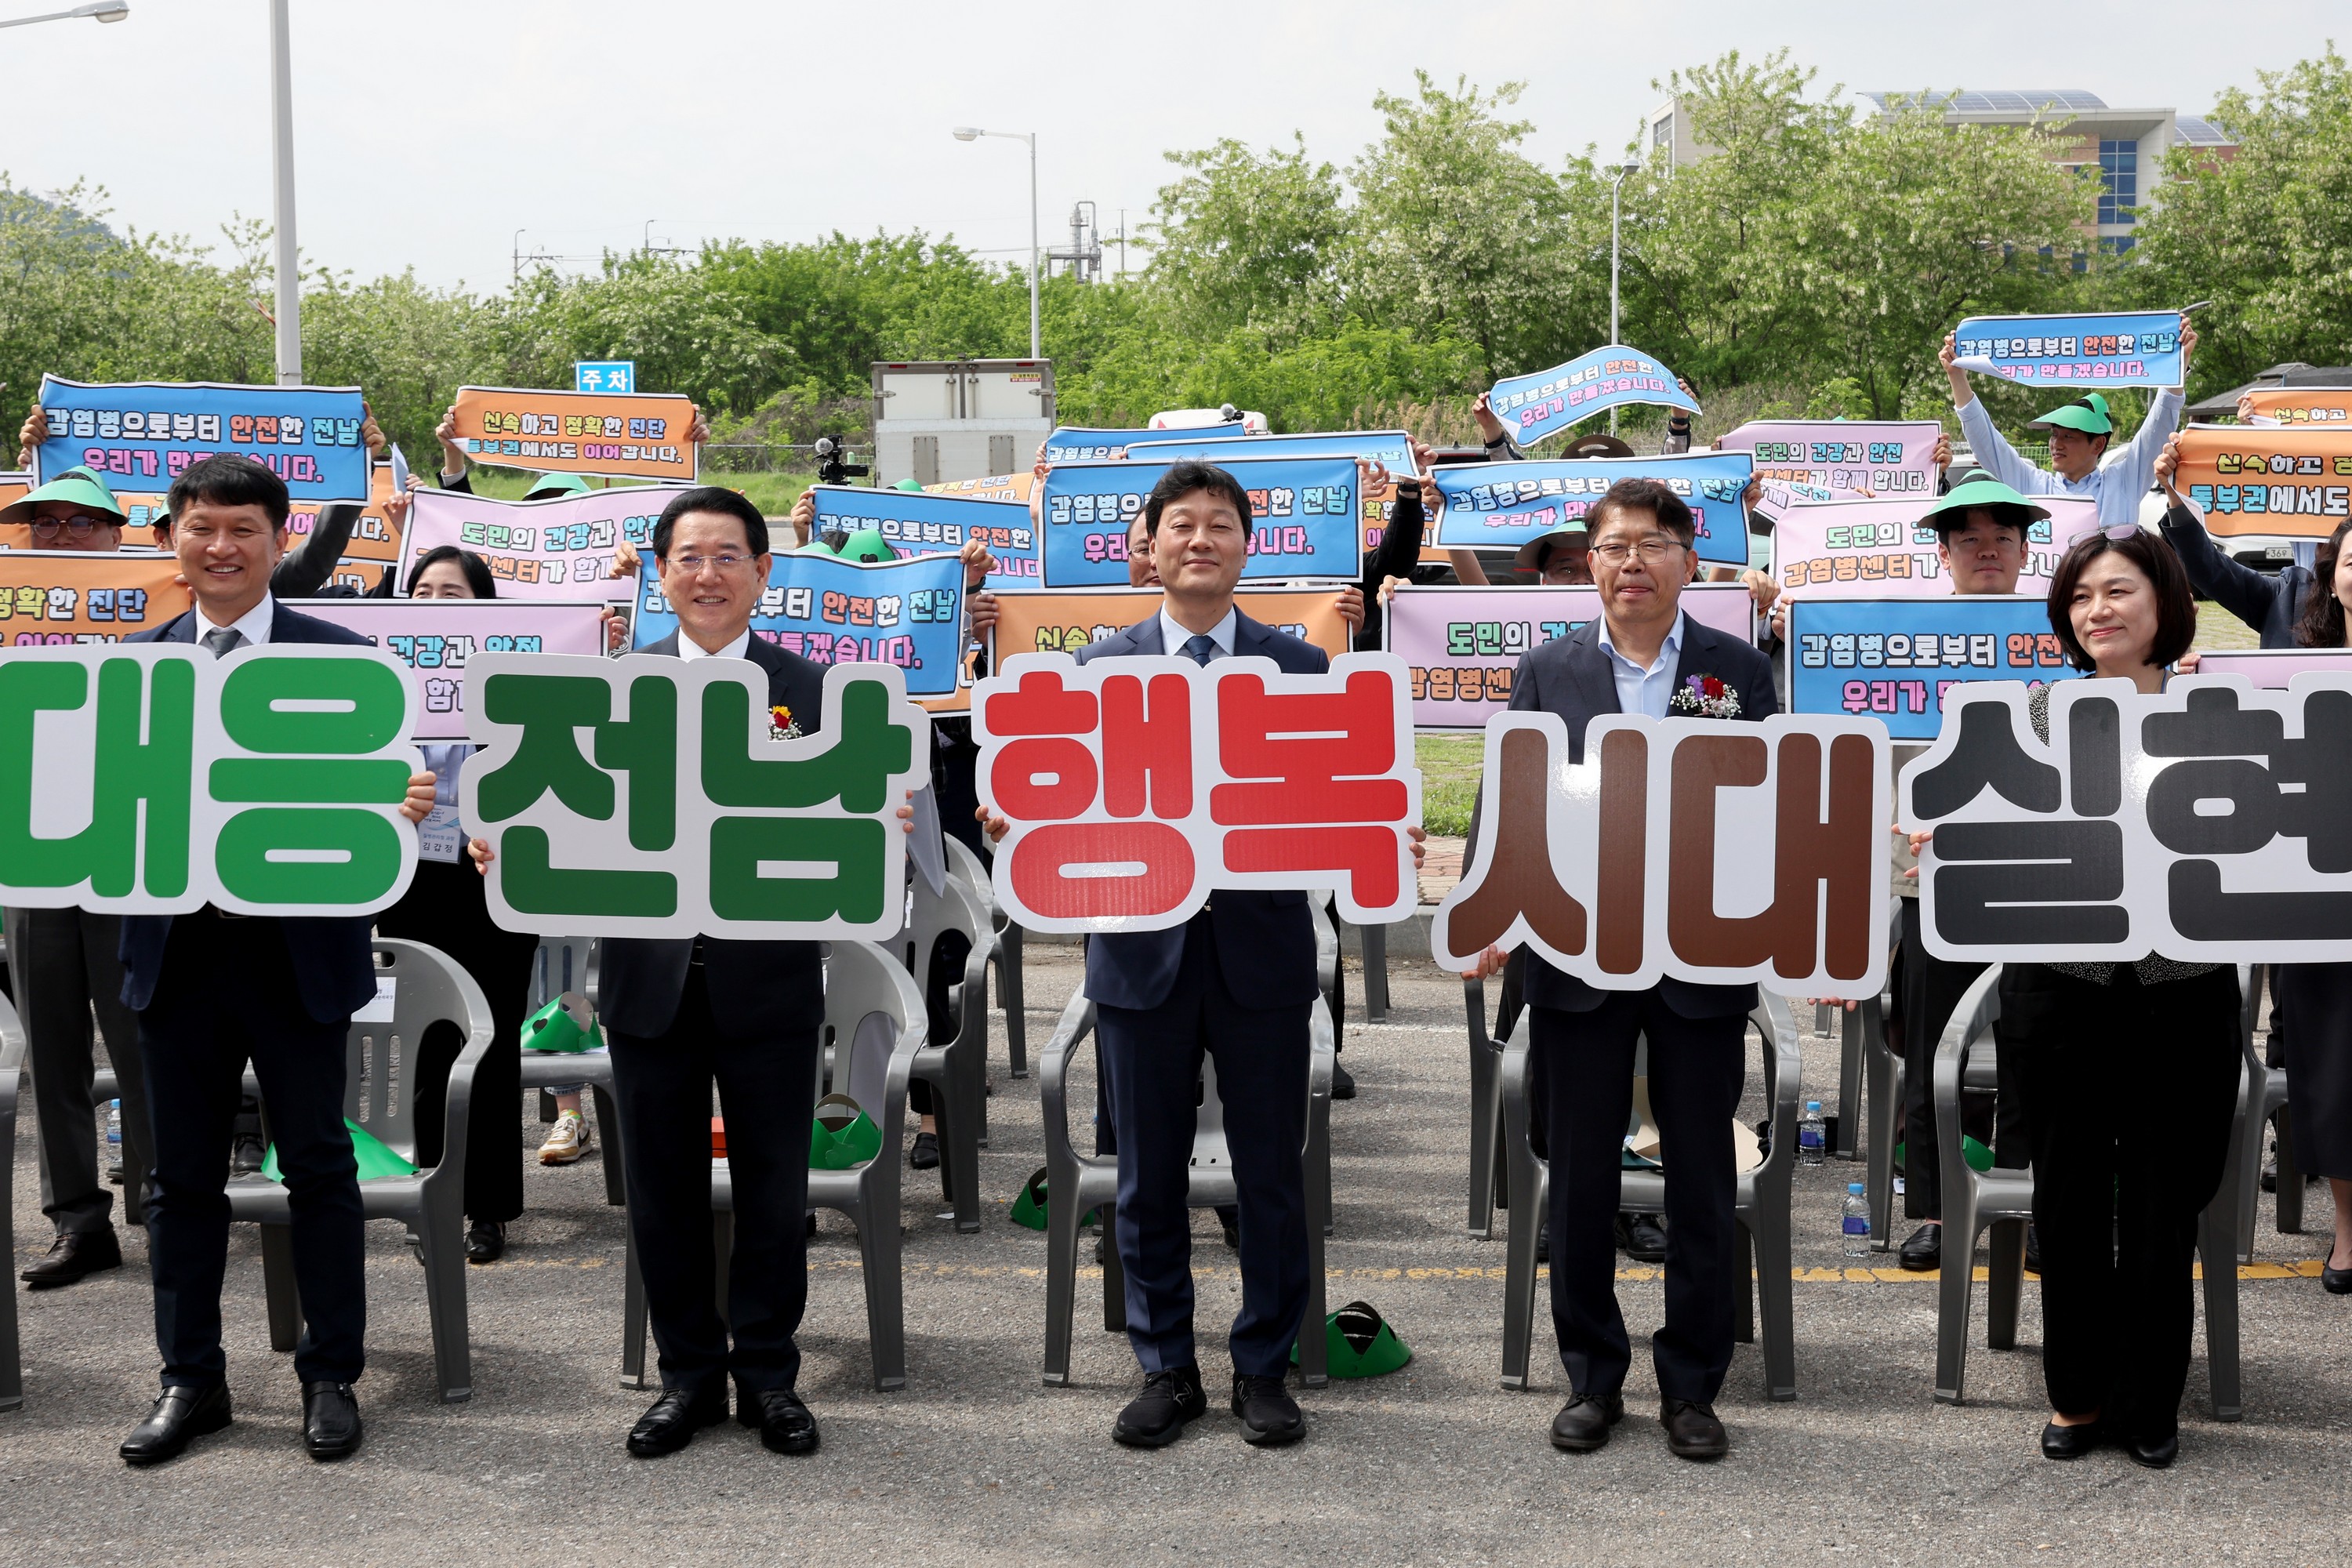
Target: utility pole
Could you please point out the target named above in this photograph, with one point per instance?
(290, 276)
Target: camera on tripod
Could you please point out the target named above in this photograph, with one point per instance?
(830, 468)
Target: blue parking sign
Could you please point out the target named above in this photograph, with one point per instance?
(605, 376)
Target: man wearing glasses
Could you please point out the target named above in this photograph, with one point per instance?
(1640, 655)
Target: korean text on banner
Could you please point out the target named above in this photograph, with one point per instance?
(918, 523)
(2288, 480)
(651, 796)
(1489, 506)
(1621, 870)
(1837, 458)
(628, 435)
(53, 598)
(560, 549)
(437, 639)
(2287, 404)
(271, 780)
(1066, 445)
(1880, 549)
(143, 435)
(1392, 449)
(1063, 621)
(2105, 845)
(1534, 407)
(2076, 353)
(1303, 518)
(1899, 660)
(906, 614)
(1463, 645)
(1135, 787)
(994, 486)
(2274, 668)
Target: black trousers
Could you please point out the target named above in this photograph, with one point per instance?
(1152, 1059)
(228, 995)
(1698, 1070)
(2129, 1092)
(1930, 988)
(445, 907)
(63, 964)
(663, 1084)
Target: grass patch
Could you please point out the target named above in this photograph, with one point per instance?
(773, 494)
(1449, 767)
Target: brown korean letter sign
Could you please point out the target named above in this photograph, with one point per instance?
(625, 435)
(1714, 853)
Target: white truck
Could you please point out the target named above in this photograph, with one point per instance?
(941, 420)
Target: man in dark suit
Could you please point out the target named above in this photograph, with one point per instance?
(1236, 981)
(212, 991)
(1641, 655)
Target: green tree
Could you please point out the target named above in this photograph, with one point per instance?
(1246, 240)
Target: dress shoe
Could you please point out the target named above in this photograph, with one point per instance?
(1343, 1085)
(1641, 1237)
(1156, 1417)
(331, 1421)
(246, 1155)
(1924, 1251)
(1269, 1416)
(1231, 1224)
(73, 1255)
(1583, 1423)
(2154, 1452)
(925, 1154)
(672, 1421)
(181, 1415)
(2032, 1250)
(485, 1241)
(784, 1423)
(2336, 1282)
(2071, 1442)
(1692, 1430)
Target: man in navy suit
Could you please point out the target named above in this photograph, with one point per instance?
(1236, 981)
(212, 991)
(1641, 655)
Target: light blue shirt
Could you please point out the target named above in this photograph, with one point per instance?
(2117, 485)
(1174, 635)
(1647, 691)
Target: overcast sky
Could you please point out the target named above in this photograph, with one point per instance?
(428, 130)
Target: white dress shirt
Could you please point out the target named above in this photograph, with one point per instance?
(1174, 635)
(1647, 691)
(689, 648)
(254, 625)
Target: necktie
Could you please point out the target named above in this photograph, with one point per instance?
(1200, 649)
(221, 641)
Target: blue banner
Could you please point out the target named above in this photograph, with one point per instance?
(142, 434)
(917, 522)
(1534, 407)
(1302, 519)
(2076, 355)
(1894, 659)
(1068, 445)
(1392, 448)
(909, 612)
(1492, 506)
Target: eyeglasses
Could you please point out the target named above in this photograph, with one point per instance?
(2122, 530)
(1654, 551)
(80, 527)
(691, 565)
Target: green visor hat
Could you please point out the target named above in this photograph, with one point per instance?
(2087, 414)
(1537, 550)
(547, 487)
(75, 487)
(1977, 488)
(866, 547)
(1358, 1343)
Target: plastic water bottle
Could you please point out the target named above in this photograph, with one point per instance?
(1857, 1221)
(114, 1140)
(1813, 1136)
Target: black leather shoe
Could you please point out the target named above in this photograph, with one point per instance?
(1641, 1237)
(1543, 1243)
(181, 1415)
(75, 1255)
(673, 1420)
(1343, 1086)
(1924, 1251)
(1230, 1222)
(2155, 1454)
(2071, 1442)
(331, 1421)
(1692, 1430)
(1156, 1417)
(925, 1154)
(2032, 1250)
(784, 1423)
(247, 1155)
(485, 1241)
(1583, 1423)
(1269, 1416)
(2336, 1282)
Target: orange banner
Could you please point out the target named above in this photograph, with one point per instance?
(2303, 404)
(996, 486)
(1048, 621)
(57, 597)
(628, 434)
(140, 534)
(2278, 479)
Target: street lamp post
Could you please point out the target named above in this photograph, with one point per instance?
(1617, 173)
(281, 180)
(101, 10)
(973, 133)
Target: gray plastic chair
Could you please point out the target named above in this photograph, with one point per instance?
(1077, 1183)
(2002, 1201)
(875, 1023)
(956, 1068)
(2265, 1101)
(1003, 951)
(12, 1076)
(569, 963)
(1760, 1205)
(1486, 1047)
(380, 1095)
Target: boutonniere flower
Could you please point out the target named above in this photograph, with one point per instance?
(782, 726)
(1706, 696)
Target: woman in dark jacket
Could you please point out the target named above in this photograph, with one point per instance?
(2272, 603)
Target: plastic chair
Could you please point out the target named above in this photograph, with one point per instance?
(569, 963)
(1759, 1204)
(2266, 1099)
(2002, 1201)
(12, 1076)
(380, 1094)
(875, 1024)
(956, 1068)
(1003, 951)
(1486, 1048)
(1077, 1183)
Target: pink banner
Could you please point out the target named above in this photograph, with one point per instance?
(1837, 459)
(435, 637)
(560, 549)
(2274, 668)
(1879, 549)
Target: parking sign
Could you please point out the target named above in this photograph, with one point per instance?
(605, 376)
